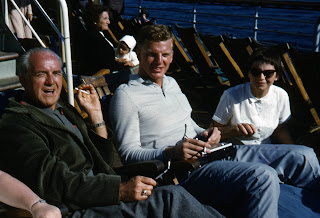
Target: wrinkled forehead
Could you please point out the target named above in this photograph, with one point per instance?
(43, 60)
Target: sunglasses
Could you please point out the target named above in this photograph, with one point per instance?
(266, 73)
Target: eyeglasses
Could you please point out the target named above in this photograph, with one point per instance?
(266, 73)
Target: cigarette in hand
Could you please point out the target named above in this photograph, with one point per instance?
(83, 91)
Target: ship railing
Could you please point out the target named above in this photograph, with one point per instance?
(64, 36)
(193, 15)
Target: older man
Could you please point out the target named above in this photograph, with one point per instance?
(150, 116)
(46, 144)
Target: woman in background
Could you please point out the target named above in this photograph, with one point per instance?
(99, 52)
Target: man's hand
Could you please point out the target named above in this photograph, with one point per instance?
(188, 149)
(213, 135)
(90, 103)
(132, 190)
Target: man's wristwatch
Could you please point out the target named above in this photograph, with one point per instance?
(97, 124)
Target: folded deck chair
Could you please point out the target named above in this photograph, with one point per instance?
(182, 58)
(240, 49)
(300, 88)
(199, 53)
(222, 56)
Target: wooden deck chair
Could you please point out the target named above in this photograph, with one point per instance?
(222, 56)
(76, 104)
(300, 88)
(99, 84)
(119, 27)
(194, 45)
(308, 67)
(240, 50)
(181, 57)
(110, 35)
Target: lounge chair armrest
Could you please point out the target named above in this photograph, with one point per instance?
(147, 168)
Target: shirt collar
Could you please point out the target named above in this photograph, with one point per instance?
(58, 109)
(252, 98)
(135, 79)
(58, 106)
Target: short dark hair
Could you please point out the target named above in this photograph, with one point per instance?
(144, 11)
(155, 33)
(268, 55)
(23, 63)
(93, 12)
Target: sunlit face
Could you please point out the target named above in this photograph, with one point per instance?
(103, 21)
(262, 76)
(155, 59)
(43, 82)
(123, 48)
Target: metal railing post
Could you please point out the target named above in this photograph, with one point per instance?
(66, 31)
(316, 43)
(255, 28)
(194, 15)
(48, 18)
(5, 12)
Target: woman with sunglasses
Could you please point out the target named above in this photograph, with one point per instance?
(255, 112)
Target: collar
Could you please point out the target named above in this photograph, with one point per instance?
(106, 39)
(136, 79)
(253, 99)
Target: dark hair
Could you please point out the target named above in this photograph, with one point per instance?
(23, 63)
(268, 55)
(93, 13)
(155, 33)
(144, 11)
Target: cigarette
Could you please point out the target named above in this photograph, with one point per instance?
(83, 91)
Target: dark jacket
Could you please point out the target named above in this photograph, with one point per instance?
(41, 152)
(99, 54)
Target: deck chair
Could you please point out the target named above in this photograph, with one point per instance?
(99, 83)
(308, 66)
(298, 85)
(76, 104)
(240, 49)
(182, 58)
(194, 45)
(222, 56)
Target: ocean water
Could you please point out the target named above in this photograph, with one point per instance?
(239, 23)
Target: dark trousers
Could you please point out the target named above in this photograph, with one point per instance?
(165, 201)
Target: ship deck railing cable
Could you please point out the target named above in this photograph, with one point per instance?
(256, 22)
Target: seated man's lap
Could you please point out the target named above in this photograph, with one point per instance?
(228, 178)
(165, 201)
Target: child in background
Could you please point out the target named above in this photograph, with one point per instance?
(124, 52)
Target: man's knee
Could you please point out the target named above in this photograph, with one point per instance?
(263, 176)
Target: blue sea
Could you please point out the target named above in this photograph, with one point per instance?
(239, 23)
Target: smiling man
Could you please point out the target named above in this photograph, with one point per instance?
(151, 119)
(44, 82)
